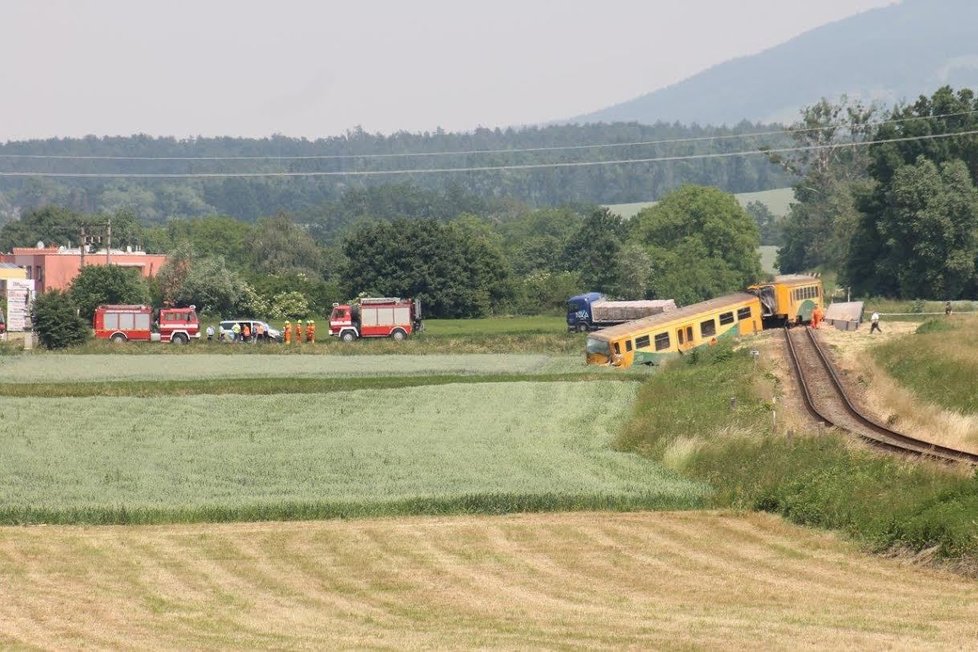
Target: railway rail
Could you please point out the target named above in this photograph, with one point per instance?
(827, 401)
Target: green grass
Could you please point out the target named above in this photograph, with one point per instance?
(65, 368)
(264, 386)
(685, 417)
(769, 256)
(939, 363)
(463, 336)
(777, 201)
(538, 324)
(451, 448)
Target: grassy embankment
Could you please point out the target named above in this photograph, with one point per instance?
(939, 363)
(684, 418)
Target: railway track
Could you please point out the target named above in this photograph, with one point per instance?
(827, 400)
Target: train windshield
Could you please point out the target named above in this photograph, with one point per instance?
(598, 346)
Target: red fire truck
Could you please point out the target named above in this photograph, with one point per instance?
(376, 317)
(135, 324)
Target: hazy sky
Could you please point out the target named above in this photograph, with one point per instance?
(306, 68)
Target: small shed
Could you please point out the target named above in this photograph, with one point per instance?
(845, 316)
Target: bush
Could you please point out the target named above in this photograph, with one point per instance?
(56, 321)
(289, 305)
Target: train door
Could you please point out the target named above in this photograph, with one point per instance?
(684, 338)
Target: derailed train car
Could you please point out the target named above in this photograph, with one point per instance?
(654, 339)
(789, 299)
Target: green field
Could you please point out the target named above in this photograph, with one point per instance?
(450, 448)
(777, 201)
(769, 255)
(539, 324)
(66, 368)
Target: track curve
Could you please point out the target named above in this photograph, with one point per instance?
(827, 400)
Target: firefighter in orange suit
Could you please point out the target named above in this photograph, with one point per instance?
(297, 331)
(287, 332)
(816, 317)
(311, 331)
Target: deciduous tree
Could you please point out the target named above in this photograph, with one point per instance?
(107, 284)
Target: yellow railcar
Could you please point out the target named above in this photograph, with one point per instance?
(654, 339)
(790, 298)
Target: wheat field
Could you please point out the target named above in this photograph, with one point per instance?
(479, 446)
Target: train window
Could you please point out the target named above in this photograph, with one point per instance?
(679, 334)
(689, 334)
(617, 348)
(628, 345)
(642, 342)
(708, 328)
(726, 318)
(743, 313)
(661, 341)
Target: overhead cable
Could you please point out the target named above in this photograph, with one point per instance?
(483, 168)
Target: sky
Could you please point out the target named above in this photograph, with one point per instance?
(314, 69)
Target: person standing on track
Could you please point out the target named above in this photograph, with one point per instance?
(816, 317)
(875, 321)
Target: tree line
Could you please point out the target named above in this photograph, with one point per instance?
(694, 244)
(316, 200)
(897, 217)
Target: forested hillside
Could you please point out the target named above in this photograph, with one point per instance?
(157, 198)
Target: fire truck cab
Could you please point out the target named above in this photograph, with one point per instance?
(391, 317)
(126, 323)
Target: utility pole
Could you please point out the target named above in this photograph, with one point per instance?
(108, 241)
(82, 245)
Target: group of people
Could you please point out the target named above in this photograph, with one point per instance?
(241, 332)
(295, 332)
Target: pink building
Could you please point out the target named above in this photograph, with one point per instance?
(54, 268)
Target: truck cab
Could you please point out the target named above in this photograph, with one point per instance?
(579, 312)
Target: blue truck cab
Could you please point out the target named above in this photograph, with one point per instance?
(579, 312)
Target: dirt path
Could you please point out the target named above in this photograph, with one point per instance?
(650, 580)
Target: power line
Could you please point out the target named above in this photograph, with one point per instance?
(472, 152)
(485, 168)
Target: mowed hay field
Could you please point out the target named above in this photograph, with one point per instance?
(484, 447)
(597, 580)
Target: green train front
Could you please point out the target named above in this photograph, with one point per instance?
(657, 338)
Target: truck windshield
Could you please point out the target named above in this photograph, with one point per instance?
(598, 346)
(574, 306)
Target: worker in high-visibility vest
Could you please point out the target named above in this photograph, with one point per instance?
(297, 331)
(311, 331)
(287, 332)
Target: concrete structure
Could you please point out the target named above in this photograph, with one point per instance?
(54, 268)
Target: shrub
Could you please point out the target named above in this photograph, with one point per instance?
(56, 321)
